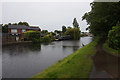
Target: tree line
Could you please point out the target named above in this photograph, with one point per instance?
(34, 36)
(103, 21)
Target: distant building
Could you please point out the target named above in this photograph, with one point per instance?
(17, 31)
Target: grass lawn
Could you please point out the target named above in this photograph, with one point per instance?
(76, 65)
(110, 50)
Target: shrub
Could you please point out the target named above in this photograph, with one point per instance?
(52, 37)
(114, 37)
(45, 39)
(33, 36)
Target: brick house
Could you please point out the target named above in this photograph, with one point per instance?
(17, 31)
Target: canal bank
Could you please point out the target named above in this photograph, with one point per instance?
(76, 65)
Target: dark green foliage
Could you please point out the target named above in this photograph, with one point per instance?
(14, 24)
(45, 39)
(57, 31)
(74, 33)
(44, 31)
(51, 36)
(9, 23)
(102, 17)
(75, 23)
(110, 50)
(63, 29)
(23, 23)
(53, 33)
(69, 27)
(33, 36)
(5, 28)
(114, 37)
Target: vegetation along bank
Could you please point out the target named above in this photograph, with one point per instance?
(111, 50)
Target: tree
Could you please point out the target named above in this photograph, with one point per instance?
(75, 23)
(69, 27)
(9, 23)
(57, 31)
(69, 32)
(102, 17)
(44, 31)
(14, 24)
(23, 23)
(74, 33)
(20, 23)
(5, 28)
(63, 29)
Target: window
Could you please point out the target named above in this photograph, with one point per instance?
(23, 30)
(13, 30)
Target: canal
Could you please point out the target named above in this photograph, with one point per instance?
(26, 60)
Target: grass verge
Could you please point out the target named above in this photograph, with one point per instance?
(110, 50)
(76, 65)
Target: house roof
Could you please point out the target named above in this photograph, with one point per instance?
(23, 27)
(33, 28)
(17, 27)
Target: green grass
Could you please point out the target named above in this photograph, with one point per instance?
(76, 65)
(110, 50)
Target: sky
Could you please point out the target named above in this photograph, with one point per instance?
(47, 15)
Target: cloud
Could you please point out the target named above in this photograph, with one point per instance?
(50, 15)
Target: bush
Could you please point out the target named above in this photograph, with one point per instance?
(33, 36)
(52, 37)
(114, 37)
(45, 39)
(74, 33)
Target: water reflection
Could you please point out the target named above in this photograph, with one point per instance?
(17, 49)
(26, 60)
(74, 48)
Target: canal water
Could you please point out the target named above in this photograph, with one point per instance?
(26, 60)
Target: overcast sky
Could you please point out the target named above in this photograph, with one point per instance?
(46, 15)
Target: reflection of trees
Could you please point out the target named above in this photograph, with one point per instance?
(46, 44)
(74, 48)
(34, 47)
(71, 44)
(16, 49)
